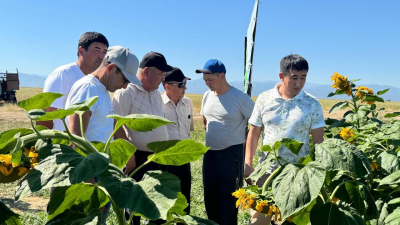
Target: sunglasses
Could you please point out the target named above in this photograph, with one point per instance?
(180, 84)
(122, 73)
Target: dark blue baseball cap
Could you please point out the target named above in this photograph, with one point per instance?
(213, 66)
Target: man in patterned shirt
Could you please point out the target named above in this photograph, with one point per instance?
(286, 111)
(143, 99)
(179, 109)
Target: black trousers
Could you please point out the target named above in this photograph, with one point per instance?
(183, 172)
(141, 158)
(222, 175)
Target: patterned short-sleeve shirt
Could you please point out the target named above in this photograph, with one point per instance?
(287, 118)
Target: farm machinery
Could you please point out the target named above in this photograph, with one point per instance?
(9, 83)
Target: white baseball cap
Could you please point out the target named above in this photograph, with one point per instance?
(125, 60)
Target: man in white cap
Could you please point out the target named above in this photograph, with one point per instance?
(116, 71)
(178, 109)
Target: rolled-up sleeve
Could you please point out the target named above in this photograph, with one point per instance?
(122, 103)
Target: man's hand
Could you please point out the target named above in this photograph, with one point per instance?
(204, 120)
(248, 169)
(131, 165)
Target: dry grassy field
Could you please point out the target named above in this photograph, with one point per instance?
(32, 208)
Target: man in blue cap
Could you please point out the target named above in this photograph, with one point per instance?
(225, 112)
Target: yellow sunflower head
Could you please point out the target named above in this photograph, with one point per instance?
(5, 159)
(261, 205)
(341, 83)
(239, 193)
(6, 171)
(346, 133)
(361, 94)
(373, 166)
(22, 171)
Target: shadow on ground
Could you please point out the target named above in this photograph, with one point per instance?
(20, 205)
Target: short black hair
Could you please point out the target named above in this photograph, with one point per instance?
(293, 62)
(88, 38)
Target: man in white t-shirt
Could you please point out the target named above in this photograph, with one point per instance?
(286, 111)
(143, 99)
(115, 72)
(92, 47)
(178, 109)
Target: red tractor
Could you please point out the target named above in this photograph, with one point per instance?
(9, 83)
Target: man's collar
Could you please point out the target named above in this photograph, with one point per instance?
(165, 98)
(277, 95)
(275, 92)
(140, 87)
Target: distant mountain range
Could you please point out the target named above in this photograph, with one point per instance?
(31, 80)
(198, 86)
(320, 91)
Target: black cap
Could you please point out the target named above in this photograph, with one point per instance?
(175, 75)
(155, 59)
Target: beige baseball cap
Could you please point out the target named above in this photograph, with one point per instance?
(125, 60)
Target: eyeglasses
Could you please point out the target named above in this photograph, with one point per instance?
(122, 73)
(179, 84)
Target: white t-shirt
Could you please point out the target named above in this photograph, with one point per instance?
(287, 118)
(136, 100)
(61, 81)
(100, 127)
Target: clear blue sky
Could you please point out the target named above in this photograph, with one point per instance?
(359, 38)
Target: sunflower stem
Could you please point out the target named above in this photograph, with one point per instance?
(325, 195)
(337, 187)
(147, 162)
(356, 110)
(271, 178)
(83, 144)
(34, 129)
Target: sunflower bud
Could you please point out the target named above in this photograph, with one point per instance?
(361, 94)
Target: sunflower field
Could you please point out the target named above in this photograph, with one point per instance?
(39, 158)
(353, 177)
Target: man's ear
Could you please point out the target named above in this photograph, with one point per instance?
(222, 75)
(281, 76)
(110, 67)
(146, 71)
(80, 50)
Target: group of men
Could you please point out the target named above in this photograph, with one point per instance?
(284, 111)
